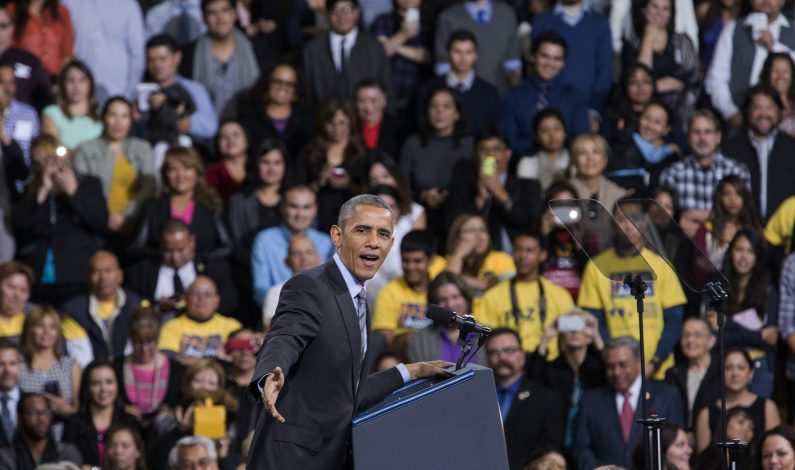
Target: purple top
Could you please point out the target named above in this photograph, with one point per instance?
(449, 350)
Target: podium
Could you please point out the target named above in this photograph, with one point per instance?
(434, 423)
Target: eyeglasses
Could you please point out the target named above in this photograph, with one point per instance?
(343, 10)
(499, 352)
(474, 230)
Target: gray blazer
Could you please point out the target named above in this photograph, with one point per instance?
(95, 158)
(425, 345)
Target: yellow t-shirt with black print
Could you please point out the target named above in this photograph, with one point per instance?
(619, 306)
(183, 335)
(400, 308)
(497, 310)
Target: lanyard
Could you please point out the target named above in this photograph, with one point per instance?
(542, 303)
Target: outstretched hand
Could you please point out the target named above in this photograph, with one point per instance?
(270, 393)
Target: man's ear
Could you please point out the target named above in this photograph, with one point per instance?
(336, 235)
(543, 256)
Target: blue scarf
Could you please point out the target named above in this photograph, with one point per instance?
(651, 153)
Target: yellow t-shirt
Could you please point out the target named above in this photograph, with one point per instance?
(182, 335)
(400, 308)
(497, 264)
(497, 311)
(121, 186)
(620, 307)
(12, 328)
(778, 230)
(106, 309)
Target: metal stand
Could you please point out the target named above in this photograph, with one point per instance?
(651, 424)
(736, 449)
(467, 342)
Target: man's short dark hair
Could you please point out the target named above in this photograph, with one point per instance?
(163, 40)
(6, 343)
(330, 4)
(549, 37)
(418, 240)
(173, 226)
(705, 114)
(765, 90)
(461, 35)
(370, 83)
(545, 113)
(542, 240)
(505, 331)
(621, 342)
(491, 132)
(206, 3)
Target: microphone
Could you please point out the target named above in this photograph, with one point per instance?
(465, 323)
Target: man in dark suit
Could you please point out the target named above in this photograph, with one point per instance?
(335, 62)
(530, 411)
(313, 370)
(164, 283)
(509, 204)
(105, 311)
(761, 141)
(10, 366)
(607, 428)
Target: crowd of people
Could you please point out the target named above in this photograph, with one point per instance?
(167, 165)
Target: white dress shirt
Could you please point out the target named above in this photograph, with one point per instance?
(719, 74)
(763, 148)
(634, 394)
(336, 39)
(165, 279)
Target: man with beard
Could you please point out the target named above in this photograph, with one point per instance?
(764, 150)
(607, 430)
(695, 177)
(33, 444)
(530, 411)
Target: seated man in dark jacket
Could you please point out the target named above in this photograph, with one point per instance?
(104, 312)
(165, 282)
(509, 204)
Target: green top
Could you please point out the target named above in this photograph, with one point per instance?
(73, 131)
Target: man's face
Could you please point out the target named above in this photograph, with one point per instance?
(763, 115)
(6, 29)
(630, 217)
(703, 137)
(8, 82)
(506, 357)
(178, 249)
(364, 241)
(301, 254)
(495, 148)
(195, 457)
(220, 18)
(370, 104)
(343, 16)
(415, 266)
(9, 369)
(527, 255)
(162, 64)
(769, 7)
(105, 275)
(244, 359)
(549, 60)
(36, 418)
(463, 56)
(300, 209)
(201, 299)
(622, 368)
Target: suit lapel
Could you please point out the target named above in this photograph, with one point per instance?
(610, 405)
(351, 323)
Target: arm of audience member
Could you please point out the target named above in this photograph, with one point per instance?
(89, 203)
(203, 121)
(260, 271)
(772, 418)
(692, 219)
(779, 228)
(518, 137)
(14, 161)
(135, 49)
(702, 430)
(48, 126)
(583, 448)
(719, 74)
(688, 70)
(443, 30)
(599, 314)
(672, 328)
(619, 12)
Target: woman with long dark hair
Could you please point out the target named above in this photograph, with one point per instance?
(752, 306)
(636, 89)
(75, 118)
(333, 164)
(100, 408)
(778, 71)
(125, 449)
(228, 174)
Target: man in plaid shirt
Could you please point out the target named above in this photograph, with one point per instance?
(695, 177)
(786, 321)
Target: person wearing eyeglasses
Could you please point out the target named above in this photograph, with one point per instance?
(337, 61)
(530, 411)
(193, 452)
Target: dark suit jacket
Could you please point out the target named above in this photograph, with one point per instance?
(367, 59)
(707, 393)
(258, 126)
(141, 278)
(780, 167)
(481, 103)
(80, 431)
(533, 422)
(599, 440)
(523, 215)
(390, 137)
(77, 308)
(315, 339)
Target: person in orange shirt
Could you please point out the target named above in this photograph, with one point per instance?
(44, 28)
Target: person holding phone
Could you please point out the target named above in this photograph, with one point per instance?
(528, 302)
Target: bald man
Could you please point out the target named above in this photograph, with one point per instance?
(105, 311)
(301, 255)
